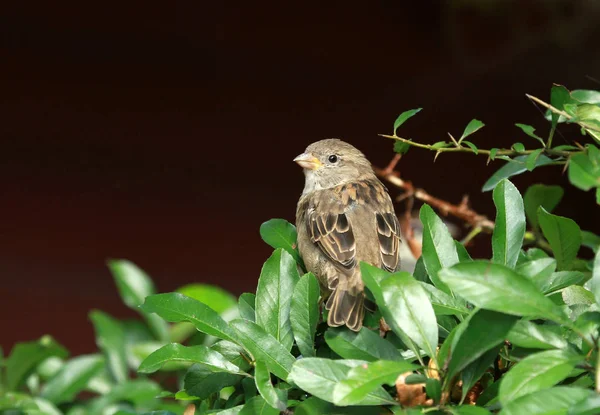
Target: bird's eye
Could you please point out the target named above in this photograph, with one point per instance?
(333, 158)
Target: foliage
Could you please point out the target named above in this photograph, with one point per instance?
(514, 334)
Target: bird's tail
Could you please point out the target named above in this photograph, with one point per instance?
(345, 308)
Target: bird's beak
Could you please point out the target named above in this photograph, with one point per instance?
(308, 161)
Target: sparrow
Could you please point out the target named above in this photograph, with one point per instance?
(344, 216)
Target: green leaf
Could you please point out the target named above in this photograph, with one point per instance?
(319, 377)
(475, 370)
(539, 271)
(194, 354)
(246, 306)
(469, 410)
(264, 347)
(411, 310)
(72, 378)
(440, 144)
(541, 195)
(559, 96)
(563, 235)
(364, 345)
(586, 96)
(401, 147)
(403, 117)
(233, 353)
(559, 280)
(201, 381)
(530, 131)
(532, 159)
(493, 152)
(518, 147)
(433, 388)
(473, 126)
(471, 146)
(134, 285)
(535, 336)
(439, 250)
(276, 398)
(536, 372)
(552, 401)
(590, 240)
(576, 294)
(584, 173)
(595, 281)
(25, 357)
(485, 330)
(176, 307)
(517, 166)
(589, 406)
(138, 392)
(509, 231)
(363, 380)
(496, 287)
(258, 406)
(215, 297)
(279, 233)
(443, 304)
(304, 313)
(110, 338)
(276, 284)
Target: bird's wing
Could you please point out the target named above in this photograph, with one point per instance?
(332, 232)
(388, 232)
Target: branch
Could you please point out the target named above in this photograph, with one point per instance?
(462, 149)
(461, 211)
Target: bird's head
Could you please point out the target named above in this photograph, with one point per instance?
(329, 163)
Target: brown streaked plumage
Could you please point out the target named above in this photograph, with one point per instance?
(344, 216)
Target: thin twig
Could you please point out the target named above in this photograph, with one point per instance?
(461, 149)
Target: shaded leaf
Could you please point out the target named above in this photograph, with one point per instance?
(475, 370)
(274, 295)
(304, 313)
(509, 231)
(563, 235)
(258, 406)
(364, 345)
(541, 195)
(532, 159)
(201, 381)
(595, 281)
(517, 166)
(401, 147)
(471, 146)
(485, 330)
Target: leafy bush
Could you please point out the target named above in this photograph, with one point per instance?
(514, 334)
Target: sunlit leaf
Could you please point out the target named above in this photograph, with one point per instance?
(473, 126)
(563, 235)
(279, 233)
(509, 231)
(304, 313)
(403, 117)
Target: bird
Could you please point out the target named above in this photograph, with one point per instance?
(344, 216)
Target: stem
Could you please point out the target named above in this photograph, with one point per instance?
(550, 136)
(474, 232)
(461, 149)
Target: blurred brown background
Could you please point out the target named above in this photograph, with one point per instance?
(165, 134)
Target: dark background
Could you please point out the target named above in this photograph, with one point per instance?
(165, 134)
